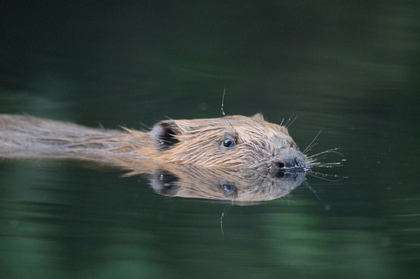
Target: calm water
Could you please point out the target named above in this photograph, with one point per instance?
(347, 68)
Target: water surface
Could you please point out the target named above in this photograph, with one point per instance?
(347, 68)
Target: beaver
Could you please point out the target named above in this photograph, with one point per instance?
(231, 142)
(236, 158)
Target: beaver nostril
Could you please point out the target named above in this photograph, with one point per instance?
(290, 163)
(280, 174)
(280, 165)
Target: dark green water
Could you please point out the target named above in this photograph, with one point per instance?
(348, 68)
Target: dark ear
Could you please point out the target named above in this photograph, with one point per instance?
(164, 133)
(165, 183)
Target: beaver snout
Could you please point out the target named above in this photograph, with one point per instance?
(291, 160)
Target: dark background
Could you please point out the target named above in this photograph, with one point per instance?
(348, 68)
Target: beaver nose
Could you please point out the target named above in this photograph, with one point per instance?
(294, 160)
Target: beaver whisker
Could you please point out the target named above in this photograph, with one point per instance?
(315, 159)
(311, 144)
(325, 176)
(332, 150)
(290, 121)
(223, 111)
(307, 185)
(281, 122)
(326, 165)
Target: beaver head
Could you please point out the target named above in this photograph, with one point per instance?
(236, 142)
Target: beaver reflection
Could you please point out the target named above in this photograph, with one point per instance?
(229, 158)
(239, 187)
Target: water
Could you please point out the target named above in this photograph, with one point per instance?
(349, 69)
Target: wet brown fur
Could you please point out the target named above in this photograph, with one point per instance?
(258, 145)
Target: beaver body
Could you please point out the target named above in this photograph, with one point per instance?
(234, 142)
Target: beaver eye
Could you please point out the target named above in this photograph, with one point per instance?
(227, 187)
(227, 143)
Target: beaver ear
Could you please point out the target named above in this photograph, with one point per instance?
(164, 133)
(165, 183)
(258, 116)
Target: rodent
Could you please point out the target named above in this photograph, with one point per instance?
(230, 142)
